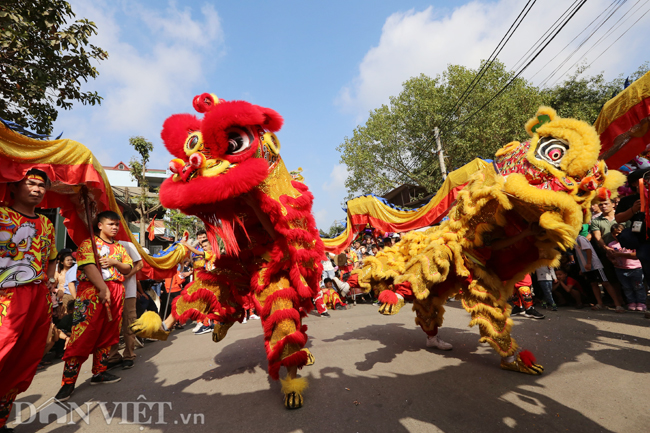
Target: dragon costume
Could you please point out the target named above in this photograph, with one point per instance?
(510, 219)
(229, 173)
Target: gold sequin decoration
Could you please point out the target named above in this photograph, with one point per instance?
(278, 183)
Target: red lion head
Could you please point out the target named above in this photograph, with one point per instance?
(220, 157)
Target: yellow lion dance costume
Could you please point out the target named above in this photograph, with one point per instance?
(509, 220)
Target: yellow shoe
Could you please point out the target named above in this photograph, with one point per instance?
(293, 389)
(392, 309)
(220, 331)
(522, 367)
(149, 325)
(310, 357)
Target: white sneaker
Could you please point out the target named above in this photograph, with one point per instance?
(244, 321)
(438, 343)
(255, 317)
(198, 326)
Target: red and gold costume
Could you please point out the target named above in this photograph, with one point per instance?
(230, 152)
(92, 331)
(331, 298)
(27, 246)
(490, 242)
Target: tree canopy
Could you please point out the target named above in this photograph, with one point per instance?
(582, 97)
(43, 58)
(145, 204)
(397, 145)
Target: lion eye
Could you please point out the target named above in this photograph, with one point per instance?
(194, 143)
(239, 140)
(551, 150)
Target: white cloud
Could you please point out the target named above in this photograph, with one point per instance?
(148, 75)
(414, 42)
(179, 25)
(338, 176)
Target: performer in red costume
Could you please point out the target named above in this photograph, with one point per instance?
(27, 249)
(523, 300)
(97, 317)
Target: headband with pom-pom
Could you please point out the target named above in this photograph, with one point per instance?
(603, 193)
(205, 102)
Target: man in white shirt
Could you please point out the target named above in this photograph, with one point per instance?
(545, 278)
(328, 268)
(129, 314)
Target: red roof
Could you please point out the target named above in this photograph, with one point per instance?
(117, 167)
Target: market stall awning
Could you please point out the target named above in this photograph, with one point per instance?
(74, 172)
(624, 123)
(372, 210)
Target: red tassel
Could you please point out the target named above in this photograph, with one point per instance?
(527, 358)
(388, 297)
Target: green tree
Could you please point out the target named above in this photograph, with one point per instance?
(145, 203)
(335, 229)
(43, 57)
(397, 143)
(177, 222)
(581, 96)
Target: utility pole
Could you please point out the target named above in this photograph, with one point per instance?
(441, 157)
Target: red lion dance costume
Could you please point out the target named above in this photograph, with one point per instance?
(229, 173)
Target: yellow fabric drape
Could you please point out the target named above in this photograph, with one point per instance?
(73, 165)
(621, 103)
(375, 208)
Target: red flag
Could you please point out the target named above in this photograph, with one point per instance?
(151, 229)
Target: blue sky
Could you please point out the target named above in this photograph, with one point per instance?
(322, 65)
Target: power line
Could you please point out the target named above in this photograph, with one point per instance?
(526, 66)
(541, 39)
(492, 58)
(612, 29)
(617, 3)
(628, 29)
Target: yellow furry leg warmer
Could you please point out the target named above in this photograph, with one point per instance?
(292, 389)
(149, 326)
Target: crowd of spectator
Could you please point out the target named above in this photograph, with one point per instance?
(335, 291)
(608, 267)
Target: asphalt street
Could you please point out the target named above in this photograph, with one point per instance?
(372, 373)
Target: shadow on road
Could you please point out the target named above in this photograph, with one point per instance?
(472, 396)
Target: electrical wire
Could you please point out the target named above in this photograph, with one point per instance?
(628, 29)
(491, 59)
(617, 4)
(539, 41)
(525, 67)
(611, 30)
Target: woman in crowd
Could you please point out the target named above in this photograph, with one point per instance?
(63, 294)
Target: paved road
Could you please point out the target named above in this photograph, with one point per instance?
(373, 374)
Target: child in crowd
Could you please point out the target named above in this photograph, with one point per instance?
(592, 269)
(331, 297)
(629, 272)
(98, 307)
(63, 294)
(202, 259)
(546, 277)
(329, 270)
(565, 284)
